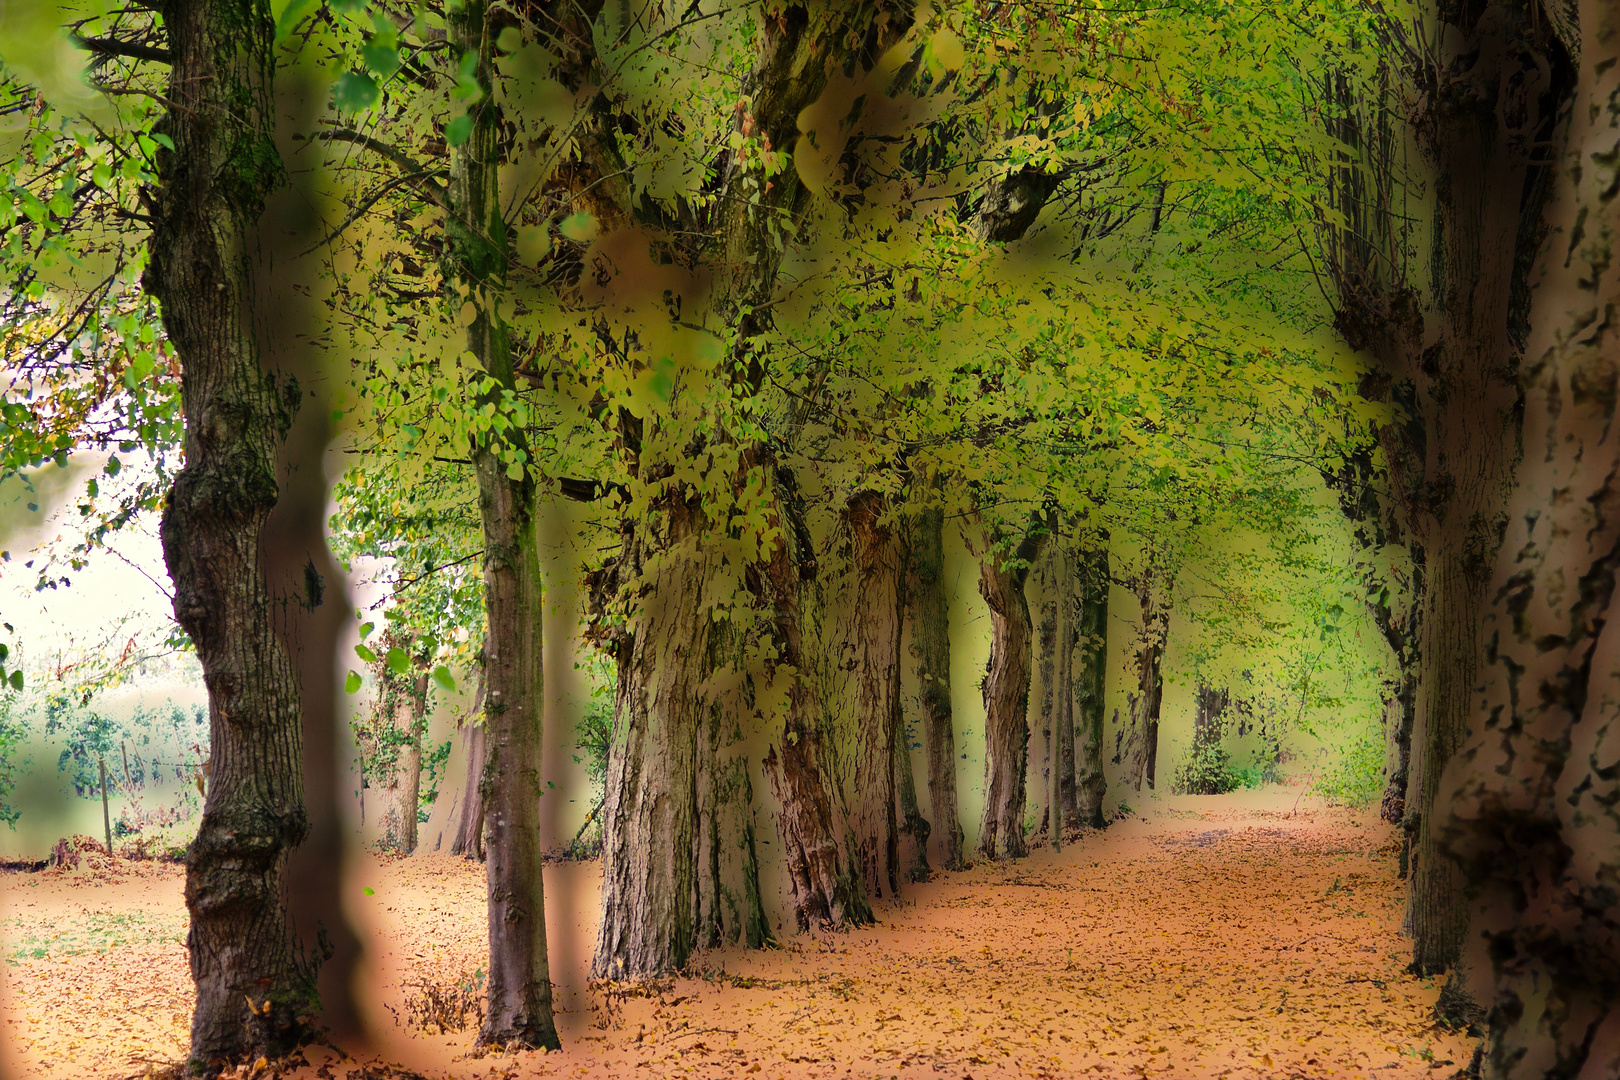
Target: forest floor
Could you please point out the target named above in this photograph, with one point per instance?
(1242, 936)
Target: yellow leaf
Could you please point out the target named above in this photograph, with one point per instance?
(948, 49)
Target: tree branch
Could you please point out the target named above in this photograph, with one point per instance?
(114, 47)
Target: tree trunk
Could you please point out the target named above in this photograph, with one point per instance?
(1528, 803)
(468, 838)
(519, 1011)
(1398, 710)
(913, 826)
(1006, 706)
(929, 611)
(879, 559)
(1204, 774)
(679, 864)
(790, 72)
(1043, 679)
(1060, 725)
(458, 803)
(254, 993)
(1491, 111)
(1139, 752)
(1090, 686)
(826, 881)
(400, 788)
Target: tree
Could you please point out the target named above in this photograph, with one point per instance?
(1481, 119)
(475, 238)
(1527, 804)
(927, 609)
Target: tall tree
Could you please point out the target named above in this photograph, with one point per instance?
(1481, 117)
(1006, 697)
(1138, 742)
(878, 605)
(255, 993)
(928, 608)
(1527, 804)
(519, 1011)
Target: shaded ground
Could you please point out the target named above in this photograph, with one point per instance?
(1220, 937)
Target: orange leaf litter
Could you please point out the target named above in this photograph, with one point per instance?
(1217, 938)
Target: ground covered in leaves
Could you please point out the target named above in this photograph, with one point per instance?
(1227, 936)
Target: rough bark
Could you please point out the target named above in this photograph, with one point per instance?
(1446, 339)
(928, 608)
(1006, 703)
(913, 826)
(1090, 687)
(680, 868)
(254, 992)
(791, 69)
(399, 787)
(877, 551)
(519, 1011)
(1398, 709)
(1060, 724)
(1529, 803)
(1137, 745)
(826, 882)
(1494, 109)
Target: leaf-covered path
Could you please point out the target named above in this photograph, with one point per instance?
(1220, 937)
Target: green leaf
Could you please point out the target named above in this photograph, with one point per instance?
(368, 891)
(365, 654)
(398, 662)
(458, 130)
(580, 226)
(510, 40)
(366, 629)
(16, 680)
(380, 53)
(354, 91)
(292, 15)
(352, 683)
(442, 676)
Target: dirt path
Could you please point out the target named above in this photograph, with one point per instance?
(1219, 938)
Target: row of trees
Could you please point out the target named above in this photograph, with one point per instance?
(775, 291)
